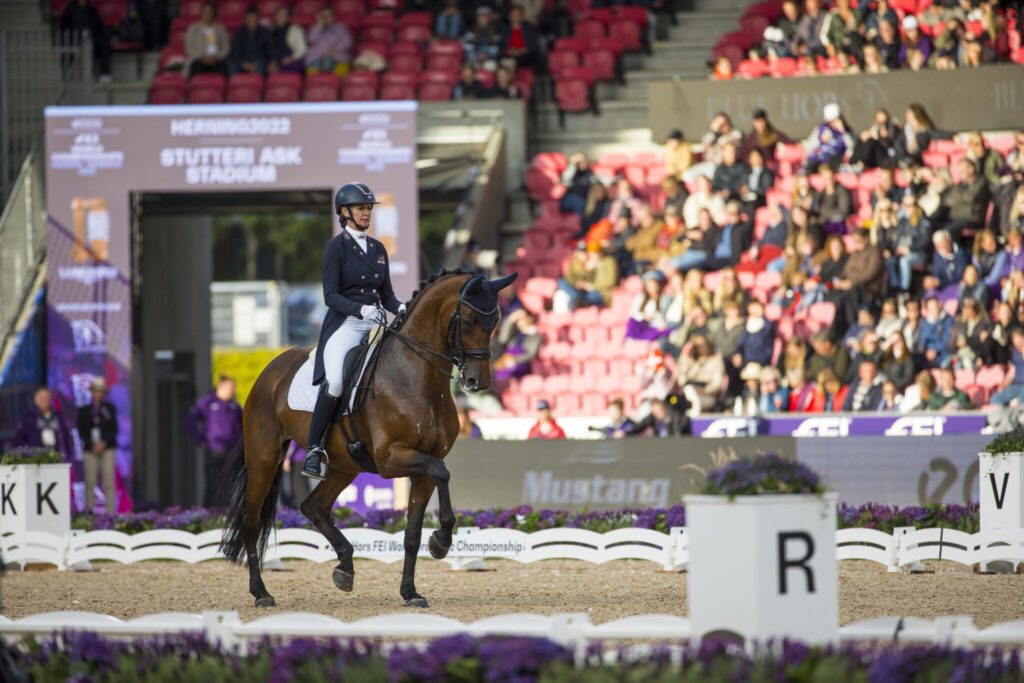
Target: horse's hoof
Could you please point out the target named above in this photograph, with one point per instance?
(418, 601)
(437, 551)
(266, 602)
(343, 580)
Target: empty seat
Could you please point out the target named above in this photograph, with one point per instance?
(281, 92)
(628, 33)
(603, 62)
(397, 91)
(358, 92)
(435, 92)
(573, 94)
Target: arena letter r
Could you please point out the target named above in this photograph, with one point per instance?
(785, 563)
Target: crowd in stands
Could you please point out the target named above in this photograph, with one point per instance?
(859, 271)
(805, 38)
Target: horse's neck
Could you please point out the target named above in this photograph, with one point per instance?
(427, 325)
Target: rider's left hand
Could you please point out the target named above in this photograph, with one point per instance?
(401, 309)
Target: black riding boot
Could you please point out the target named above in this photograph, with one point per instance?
(323, 412)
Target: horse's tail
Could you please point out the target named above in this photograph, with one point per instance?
(235, 478)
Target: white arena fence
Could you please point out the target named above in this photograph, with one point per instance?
(902, 550)
(572, 630)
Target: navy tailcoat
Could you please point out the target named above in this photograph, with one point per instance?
(352, 280)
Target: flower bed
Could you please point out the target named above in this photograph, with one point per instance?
(870, 516)
(87, 657)
(27, 455)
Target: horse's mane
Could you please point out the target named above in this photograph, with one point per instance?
(426, 285)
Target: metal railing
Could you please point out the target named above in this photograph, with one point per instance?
(39, 67)
(22, 241)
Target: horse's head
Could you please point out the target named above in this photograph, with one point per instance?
(473, 322)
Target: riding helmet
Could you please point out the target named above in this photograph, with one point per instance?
(353, 193)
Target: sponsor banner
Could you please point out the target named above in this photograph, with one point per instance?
(597, 475)
(839, 425)
(467, 543)
(368, 492)
(98, 156)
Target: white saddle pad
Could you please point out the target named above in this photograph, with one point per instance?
(302, 393)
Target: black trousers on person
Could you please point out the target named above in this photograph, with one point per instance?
(213, 463)
(847, 302)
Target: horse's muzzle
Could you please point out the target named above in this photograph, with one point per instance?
(471, 384)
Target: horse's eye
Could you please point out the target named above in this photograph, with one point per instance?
(467, 321)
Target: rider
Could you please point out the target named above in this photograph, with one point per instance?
(357, 283)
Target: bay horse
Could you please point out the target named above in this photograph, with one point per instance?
(407, 423)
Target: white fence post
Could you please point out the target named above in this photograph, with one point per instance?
(220, 628)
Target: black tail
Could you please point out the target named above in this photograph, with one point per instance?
(235, 477)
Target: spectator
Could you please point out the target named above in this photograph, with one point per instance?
(656, 380)
(482, 44)
(842, 29)
(889, 323)
(1014, 238)
(891, 398)
(730, 175)
(726, 243)
(470, 88)
(907, 248)
(947, 397)
(808, 38)
(988, 163)
(726, 333)
(898, 362)
(215, 424)
(774, 398)
(972, 287)
(287, 43)
(703, 199)
(595, 208)
(43, 427)
(700, 372)
(504, 87)
(675, 194)
(974, 54)
(888, 44)
(827, 355)
(789, 20)
(653, 237)
(625, 202)
(916, 396)
(886, 188)
(660, 423)
(647, 318)
(678, 154)
(467, 428)
(207, 44)
(865, 321)
(764, 137)
(883, 223)
(330, 45)
(912, 324)
(757, 341)
(915, 60)
(794, 355)
(917, 133)
(833, 204)
(577, 176)
(874, 61)
(774, 46)
(723, 70)
(875, 145)
(545, 427)
(933, 346)
(948, 263)
(868, 349)
(519, 39)
(688, 296)
(831, 139)
(618, 423)
(449, 24)
(803, 193)
(728, 292)
(80, 16)
(866, 391)
(1006, 199)
(1012, 390)
(589, 281)
(830, 394)
(996, 348)
(968, 333)
(914, 39)
(748, 403)
(250, 48)
(720, 133)
(97, 428)
(695, 322)
(519, 342)
(768, 252)
(758, 181)
(860, 281)
(801, 392)
(873, 21)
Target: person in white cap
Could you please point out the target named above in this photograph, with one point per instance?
(97, 428)
(914, 39)
(831, 141)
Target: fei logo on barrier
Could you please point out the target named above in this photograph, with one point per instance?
(917, 425)
(731, 426)
(824, 426)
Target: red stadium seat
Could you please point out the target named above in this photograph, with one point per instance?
(358, 92)
(172, 57)
(362, 77)
(628, 33)
(397, 91)
(349, 7)
(415, 33)
(375, 33)
(215, 81)
(204, 94)
(587, 29)
(170, 80)
(407, 63)
(231, 8)
(434, 92)
(307, 19)
(572, 44)
(486, 77)
(399, 78)
(562, 59)
(573, 95)
(603, 63)
(164, 95)
(281, 92)
(245, 87)
(322, 87)
(267, 8)
(286, 78)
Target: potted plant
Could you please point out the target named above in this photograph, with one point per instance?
(1001, 486)
(35, 491)
(762, 559)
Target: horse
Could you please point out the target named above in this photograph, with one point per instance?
(407, 423)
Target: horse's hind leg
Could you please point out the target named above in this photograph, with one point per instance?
(317, 508)
(263, 463)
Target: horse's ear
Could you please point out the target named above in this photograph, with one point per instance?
(473, 285)
(502, 283)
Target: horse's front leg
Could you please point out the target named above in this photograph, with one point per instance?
(317, 508)
(420, 491)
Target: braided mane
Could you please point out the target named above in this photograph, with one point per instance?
(425, 284)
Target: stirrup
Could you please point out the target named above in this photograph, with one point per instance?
(315, 466)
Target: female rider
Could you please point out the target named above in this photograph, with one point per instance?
(357, 283)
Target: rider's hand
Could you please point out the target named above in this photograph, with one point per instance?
(401, 309)
(368, 312)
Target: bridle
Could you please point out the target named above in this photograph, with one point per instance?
(460, 355)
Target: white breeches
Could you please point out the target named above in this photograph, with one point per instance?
(351, 333)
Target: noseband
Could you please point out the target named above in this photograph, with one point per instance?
(460, 355)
